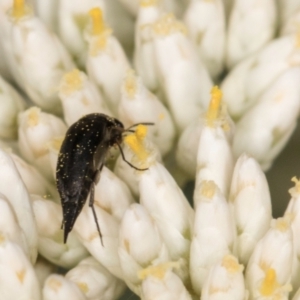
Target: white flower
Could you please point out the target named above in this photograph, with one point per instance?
(225, 281)
(106, 62)
(85, 227)
(251, 202)
(252, 25)
(244, 85)
(265, 129)
(148, 13)
(36, 130)
(112, 194)
(126, 172)
(160, 283)
(46, 10)
(269, 272)
(205, 21)
(39, 58)
(138, 105)
(9, 226)
(214, 157)
(79, 97)
(11, 103)
(17, 277)
(13, 188)
(58, 287)
(95, 281)
(72, 19)
(214, 232)
(48, 216)
(135, 251)
(177, 60)
(167, 205)
(32, 178)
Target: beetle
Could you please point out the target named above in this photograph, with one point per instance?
(81, 158)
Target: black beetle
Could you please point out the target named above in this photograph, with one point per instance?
(81, 158)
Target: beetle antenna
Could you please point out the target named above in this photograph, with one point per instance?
(146, 123)
(131, 165)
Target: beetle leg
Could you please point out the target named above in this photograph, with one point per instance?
(131, 165)
(91, 205)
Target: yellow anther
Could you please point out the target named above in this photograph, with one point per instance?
(135, 142)
(269, 284)
(33, 116)
(98, 24)
(158, 271)
(214, 106)
(130, 84)
(230, 263)
(208, 189)
(19, 9)
(71, 82)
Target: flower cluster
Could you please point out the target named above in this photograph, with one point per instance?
(161, 62)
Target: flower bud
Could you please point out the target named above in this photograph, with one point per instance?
(205, 21)
(57, 287)
(95, 281)
(79, 97)
(269, 272)
(36, 130)
(213, 233)
(138, 105)
(48, 218)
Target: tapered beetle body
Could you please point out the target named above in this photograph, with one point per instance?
(81, 158)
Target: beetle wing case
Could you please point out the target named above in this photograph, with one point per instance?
(81, 157)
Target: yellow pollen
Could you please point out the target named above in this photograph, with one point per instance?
(54, 284)
(282, 224)
(161, 116)
(141, 132)
(297, 41)
(214, 106)
(19, 9)
(269, 284)
(146, 3)
(168, 25)
(55, 143)
(2, 238)
(231, 264)
(130, 84)
(98, 24)
(71, 82)
(135, 142)
(33, 116)
(21, 275)
(158, 271)
(83, 286)
(297, 184)
(208, 189)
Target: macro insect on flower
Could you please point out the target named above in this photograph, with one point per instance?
(81, 159)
